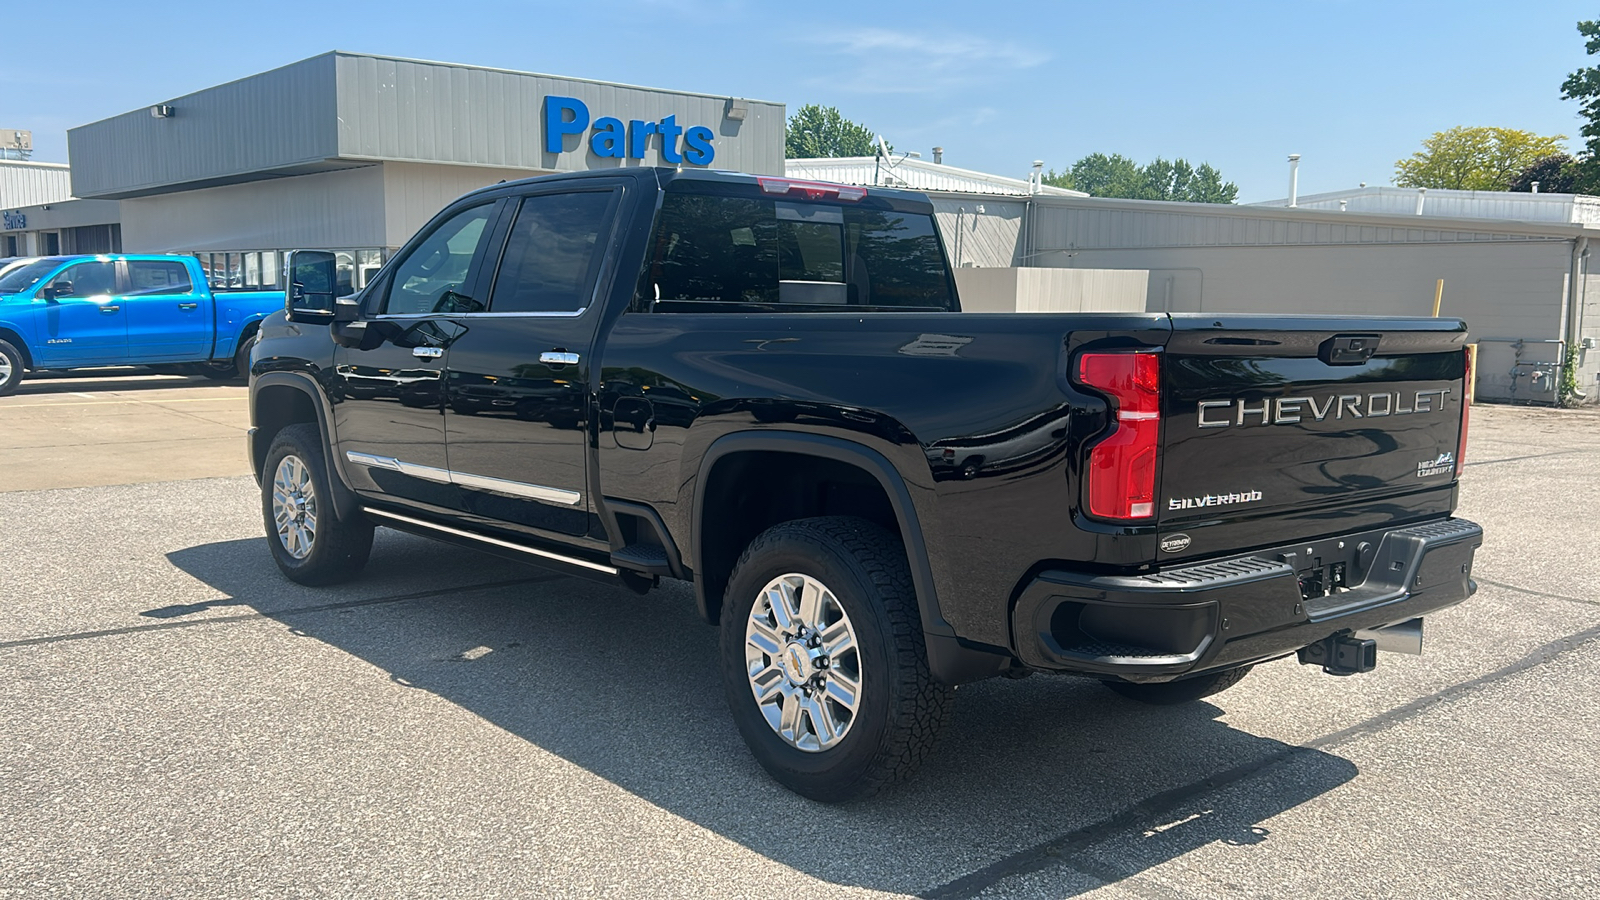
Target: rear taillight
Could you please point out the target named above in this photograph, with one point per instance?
(1120, 481)
(1466, 411)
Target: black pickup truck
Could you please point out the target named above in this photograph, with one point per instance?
(765, 387)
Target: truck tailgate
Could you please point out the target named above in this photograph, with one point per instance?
(1283, 427)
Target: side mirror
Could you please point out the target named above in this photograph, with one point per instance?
(313, 278)
(56, 290)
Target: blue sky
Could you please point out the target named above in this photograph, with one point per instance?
(1352, 86)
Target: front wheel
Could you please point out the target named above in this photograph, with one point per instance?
(824, 662)
(310, 544)
(1172, 693)
(11, 365)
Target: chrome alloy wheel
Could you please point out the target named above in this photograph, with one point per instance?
(5, 369)
(804, 664)
(294, 506)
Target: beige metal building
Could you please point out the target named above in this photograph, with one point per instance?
(1523, 287)
(353, 153)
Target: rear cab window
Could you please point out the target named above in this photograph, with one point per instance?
(714, 252)
(146, 277)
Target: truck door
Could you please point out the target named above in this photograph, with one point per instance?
(81, 322)
(170, 318)
(517, 397)
(389, 392)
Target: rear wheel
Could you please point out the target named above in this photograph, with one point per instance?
(310, 544)
(823, 659)
(1172, 693)
(237, 367)
(11, 365)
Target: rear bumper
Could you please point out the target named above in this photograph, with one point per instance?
(1225, 613)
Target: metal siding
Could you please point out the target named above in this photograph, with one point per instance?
(33, 184)
(991, 240)
(1502, 290)
(327, 210)
(410, 111)
(274, 120)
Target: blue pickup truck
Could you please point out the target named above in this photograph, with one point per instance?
(78, 312)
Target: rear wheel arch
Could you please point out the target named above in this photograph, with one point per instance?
(840, 477)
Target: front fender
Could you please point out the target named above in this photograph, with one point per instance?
(268, 415)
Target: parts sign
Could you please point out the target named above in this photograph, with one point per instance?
(611, 138)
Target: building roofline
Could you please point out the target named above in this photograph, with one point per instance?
(938, 168)
(349, 54)
(637, 87)
(1332, 217)
(39, 163)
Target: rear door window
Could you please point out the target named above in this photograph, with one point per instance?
(158, 277)
(788, 255)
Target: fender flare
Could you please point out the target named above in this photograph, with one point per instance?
(840, 450)
(21, 343)
(345, 502)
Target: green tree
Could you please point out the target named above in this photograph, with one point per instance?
(1584, 87)
(1474, 159)
(1116, 175)
(1554, 174)
(817, 131)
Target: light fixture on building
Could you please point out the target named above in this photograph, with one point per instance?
(161, 111)
(737, 109)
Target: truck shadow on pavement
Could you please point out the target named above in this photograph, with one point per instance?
(1054, 778)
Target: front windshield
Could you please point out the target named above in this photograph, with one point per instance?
(18, 280)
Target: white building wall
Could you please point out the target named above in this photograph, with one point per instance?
(322, 211)
(414, 192)
(1051, 290)
(1511, 290)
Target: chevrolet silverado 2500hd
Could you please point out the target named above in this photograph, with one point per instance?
(765, 387)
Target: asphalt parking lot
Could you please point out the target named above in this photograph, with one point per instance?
(178, 720)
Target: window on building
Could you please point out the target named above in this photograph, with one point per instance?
(158, 277)
(432, 277)
(270, 271)
(550, 260)
(252, 270)
(791, 256)
(11, 246)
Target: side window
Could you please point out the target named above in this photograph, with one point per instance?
(552, 253)
(791, 255)
(152, 277)
(431, 277)
(714, 249)
(89, 279)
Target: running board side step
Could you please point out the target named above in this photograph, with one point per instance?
(521, 552)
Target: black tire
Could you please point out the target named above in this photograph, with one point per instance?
(241, 357)
(234, 369)
(901, 707)
(1187, 690)
(338, 549)
(12, 357)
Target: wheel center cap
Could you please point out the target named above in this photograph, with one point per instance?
(796, 663)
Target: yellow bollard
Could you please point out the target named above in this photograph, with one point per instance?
(1438, 296)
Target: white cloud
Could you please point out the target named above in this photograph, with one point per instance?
(903, 62)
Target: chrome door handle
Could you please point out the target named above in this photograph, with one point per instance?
(188, 306)
(108, 310)
(427, 352)
(558, 358)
